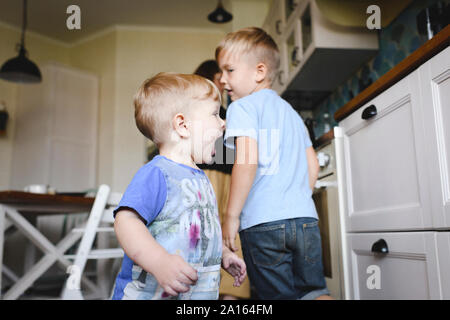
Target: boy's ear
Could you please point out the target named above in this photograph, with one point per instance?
(261, 72)
(179, 124)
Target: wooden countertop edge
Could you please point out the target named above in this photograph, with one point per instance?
(13, 197)
(324, 139)
(430, 48)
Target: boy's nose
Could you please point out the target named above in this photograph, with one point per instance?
(222, 127)
(222, 78)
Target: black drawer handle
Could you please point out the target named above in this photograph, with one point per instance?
(380, 247)
(369, 112)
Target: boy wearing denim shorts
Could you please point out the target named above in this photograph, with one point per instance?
(273, 176)
(167, 220)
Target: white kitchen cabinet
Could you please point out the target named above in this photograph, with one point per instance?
(275, 22)
(56, 131)
(279, 83)
(385, 166)
(293, 53)
(409, 270)
(435, 86)
(289, 9)
(396, 182)
(319, 53)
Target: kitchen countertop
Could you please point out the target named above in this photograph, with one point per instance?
(430, 48)
(324, 139)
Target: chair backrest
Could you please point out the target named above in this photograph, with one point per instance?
(101, 212)
(112, 202)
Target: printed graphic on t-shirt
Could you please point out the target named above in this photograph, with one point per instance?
(198, 226)
(188, 225)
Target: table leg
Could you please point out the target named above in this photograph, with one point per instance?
(52, 254)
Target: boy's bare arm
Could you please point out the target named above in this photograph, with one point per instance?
(313, 166)
(171, 271)
(234, 265)
(242, 176)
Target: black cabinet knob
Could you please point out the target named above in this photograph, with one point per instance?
(380, 246)
(369, 112)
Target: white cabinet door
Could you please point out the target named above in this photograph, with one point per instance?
(74, 131)
(275, 22)
(408, 271)
(56, 131)
(385, 169)
(435, 85)
(443, 249)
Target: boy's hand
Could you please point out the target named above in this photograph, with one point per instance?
(234, 265)
(174, 274)
(229, 232)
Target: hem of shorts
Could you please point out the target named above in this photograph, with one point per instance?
(315, 294)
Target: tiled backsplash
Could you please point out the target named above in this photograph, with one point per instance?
(396, 41)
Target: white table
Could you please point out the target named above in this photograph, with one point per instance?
(15, 208)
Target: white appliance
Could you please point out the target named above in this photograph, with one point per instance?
(327, 200)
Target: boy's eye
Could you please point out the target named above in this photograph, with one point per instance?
(230, 70)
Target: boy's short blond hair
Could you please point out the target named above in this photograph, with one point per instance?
(255, 42)
(166, 94)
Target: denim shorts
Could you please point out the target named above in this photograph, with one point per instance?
(284, 259)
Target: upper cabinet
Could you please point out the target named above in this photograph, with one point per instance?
(275, 21)
(56, 131)
(316, 54)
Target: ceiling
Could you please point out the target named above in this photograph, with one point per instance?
(48, 17)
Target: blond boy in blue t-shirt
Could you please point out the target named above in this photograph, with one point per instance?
(273, 175)
(167, 221)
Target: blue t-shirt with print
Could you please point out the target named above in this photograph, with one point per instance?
(178, 205)
(280, 189)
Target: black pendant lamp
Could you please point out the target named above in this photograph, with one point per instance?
(220, 15)
(21, 69)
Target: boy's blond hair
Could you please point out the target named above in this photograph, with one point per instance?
(255, 42)
(166, 94)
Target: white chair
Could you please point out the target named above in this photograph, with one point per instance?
(7, 272)
(100, 215)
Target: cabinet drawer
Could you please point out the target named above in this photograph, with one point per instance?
(385, 171)
(408, 271)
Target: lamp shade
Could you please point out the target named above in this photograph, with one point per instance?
(20, 69)
(220, 15)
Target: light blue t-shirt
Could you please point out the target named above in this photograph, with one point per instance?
(281, 186)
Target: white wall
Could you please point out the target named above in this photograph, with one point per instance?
(142, 53)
